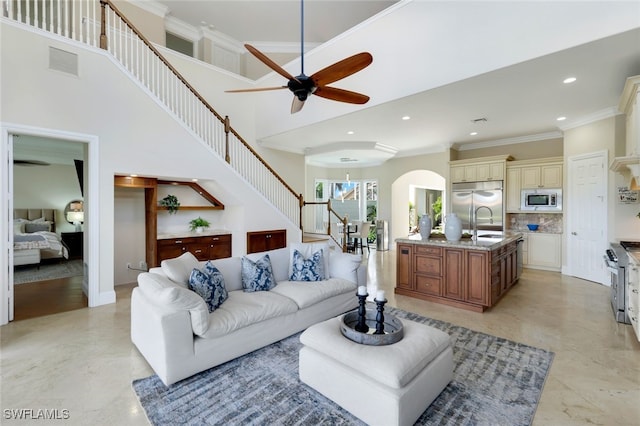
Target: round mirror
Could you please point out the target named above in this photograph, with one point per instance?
(74, 212)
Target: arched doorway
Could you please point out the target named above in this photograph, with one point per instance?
(416, 187)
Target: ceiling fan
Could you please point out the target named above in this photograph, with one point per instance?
(302, 85)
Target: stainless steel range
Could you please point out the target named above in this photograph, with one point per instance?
(617, 264)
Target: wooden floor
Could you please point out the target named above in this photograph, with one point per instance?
(42, 298)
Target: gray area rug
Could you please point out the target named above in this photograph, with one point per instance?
(48, 271)
(495, 382)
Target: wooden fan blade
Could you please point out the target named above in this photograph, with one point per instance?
(258, 89)
(341, 95)
(296, 105)
(342, 69)
(268, 62)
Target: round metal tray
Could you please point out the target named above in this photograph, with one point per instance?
(393, 330)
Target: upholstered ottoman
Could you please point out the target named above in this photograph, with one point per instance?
(381, 385)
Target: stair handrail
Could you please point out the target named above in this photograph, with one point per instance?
(330, 212)
(225, 120)
(100, 24)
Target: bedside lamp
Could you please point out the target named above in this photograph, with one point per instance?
(76, 218)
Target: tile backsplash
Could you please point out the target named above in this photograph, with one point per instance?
(548, 222)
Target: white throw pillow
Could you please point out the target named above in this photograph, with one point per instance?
(345, 266)
(307, 250)
(179, 298)
(168, 294)
(179, 269)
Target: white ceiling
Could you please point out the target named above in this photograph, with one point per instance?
(444, 64)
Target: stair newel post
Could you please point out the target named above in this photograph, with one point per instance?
(103, 25)
(329, 216)
(301, 204)
(227, 126)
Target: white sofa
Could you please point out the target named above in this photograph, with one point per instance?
(172, 327)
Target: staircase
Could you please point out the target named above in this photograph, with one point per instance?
(99, 24)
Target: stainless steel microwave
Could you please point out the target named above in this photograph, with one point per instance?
(541, 200)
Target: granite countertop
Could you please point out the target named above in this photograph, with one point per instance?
(188, 234)
(488, 244)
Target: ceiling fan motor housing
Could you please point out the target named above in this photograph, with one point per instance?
(302, 86)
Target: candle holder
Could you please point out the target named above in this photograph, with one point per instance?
(362, 326)
(380, 316)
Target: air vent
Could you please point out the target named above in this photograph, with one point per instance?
(348, 160)
(479, 120)
(64, 61)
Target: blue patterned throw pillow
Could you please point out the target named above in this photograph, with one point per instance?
(209, 284)
(311, 269)
(258, 275)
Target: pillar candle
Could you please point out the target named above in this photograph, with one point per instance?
(380, 295)
(362, 290)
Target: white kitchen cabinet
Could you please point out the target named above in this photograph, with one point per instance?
(542, 176)
(544, 251)
(633, 294)
(513, 189)
(478, 169)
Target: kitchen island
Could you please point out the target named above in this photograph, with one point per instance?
(466, 274)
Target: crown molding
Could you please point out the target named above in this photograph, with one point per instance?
(507, 141)
(590, 118)
(223, 40)
(181, 28)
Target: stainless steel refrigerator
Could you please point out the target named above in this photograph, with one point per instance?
(485, 198)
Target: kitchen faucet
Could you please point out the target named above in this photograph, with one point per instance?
(474, 220)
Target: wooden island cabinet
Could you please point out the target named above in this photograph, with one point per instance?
(464, 274)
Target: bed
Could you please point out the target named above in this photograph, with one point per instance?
(34, 237)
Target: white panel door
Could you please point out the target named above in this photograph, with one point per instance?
(587, 226)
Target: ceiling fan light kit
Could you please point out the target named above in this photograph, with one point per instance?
(303, 86)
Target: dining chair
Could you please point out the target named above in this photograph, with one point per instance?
(360, 237)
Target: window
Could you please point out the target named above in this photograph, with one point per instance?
(179, 44)
(356, 199)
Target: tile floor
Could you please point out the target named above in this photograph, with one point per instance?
(83, 361)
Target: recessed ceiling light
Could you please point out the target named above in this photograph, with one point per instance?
(569, 80)
(561, 118)
(406, 117)
(350, 132)
(473, 133)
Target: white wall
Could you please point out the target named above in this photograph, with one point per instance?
(135, 134)
(607, 134)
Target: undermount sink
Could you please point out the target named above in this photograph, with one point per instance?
(490, 236)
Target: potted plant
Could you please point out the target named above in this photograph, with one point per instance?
(171, 203)
(198, 224)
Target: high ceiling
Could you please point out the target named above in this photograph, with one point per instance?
(495, 69)
(456, 68)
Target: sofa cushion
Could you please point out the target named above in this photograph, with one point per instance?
(230, 268)
(160, 291)
(209, 284)
(258, 275)
(307, 250)
(280, 260)
(311, 269)
(243, 309)
(179, 269)
(345, 266)
(309, 293)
